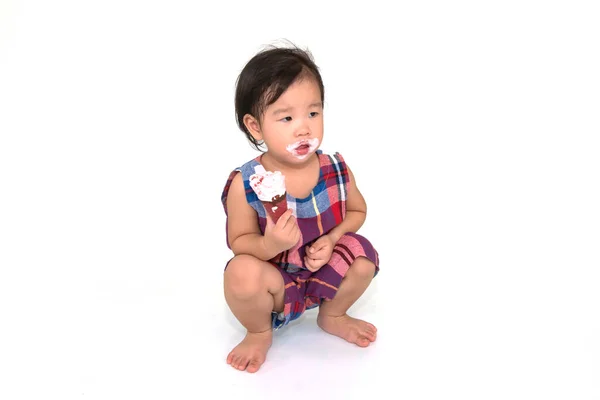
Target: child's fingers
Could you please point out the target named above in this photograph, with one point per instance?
(292, 232)
(270, 222)
(314, 252)
(290, 226)
(308, 263)
(320, 254)
(313, 263)
(318, 245)
(297, 234)
(284, 219)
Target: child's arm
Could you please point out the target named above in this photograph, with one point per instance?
(356, 211)
(243, 230)
(319, 253)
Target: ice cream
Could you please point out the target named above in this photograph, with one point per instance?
(270, 188)
(303, 148)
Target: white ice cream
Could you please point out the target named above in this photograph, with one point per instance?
(312, 143)
(266, 184)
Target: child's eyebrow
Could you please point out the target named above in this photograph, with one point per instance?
(288, 109)
(282, 110)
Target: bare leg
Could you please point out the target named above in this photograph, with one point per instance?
(253, 289)
(332, 314)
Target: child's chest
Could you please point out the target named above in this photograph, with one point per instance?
(301, 185)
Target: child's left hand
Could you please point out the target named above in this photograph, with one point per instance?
(319, 253)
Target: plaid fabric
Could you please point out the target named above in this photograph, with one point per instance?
(316, 215)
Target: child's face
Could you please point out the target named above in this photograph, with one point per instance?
(292, 127)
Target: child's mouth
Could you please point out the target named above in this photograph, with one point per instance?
(301, 148)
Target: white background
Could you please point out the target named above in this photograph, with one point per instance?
(472, 131)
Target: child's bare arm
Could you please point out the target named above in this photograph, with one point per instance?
(356, 211)
(242, 226)
(244, 233)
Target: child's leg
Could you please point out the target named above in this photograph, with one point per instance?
(253, 289)
(332, 314)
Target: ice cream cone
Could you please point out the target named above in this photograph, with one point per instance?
(276, 208)
(270, 189)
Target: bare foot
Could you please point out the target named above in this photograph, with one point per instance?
(251, 353)
(353, 330)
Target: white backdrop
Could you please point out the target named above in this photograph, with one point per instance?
(472, 131)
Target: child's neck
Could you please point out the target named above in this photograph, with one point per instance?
(272, 164)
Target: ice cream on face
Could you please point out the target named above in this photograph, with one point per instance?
(303, 148)
(268, 186)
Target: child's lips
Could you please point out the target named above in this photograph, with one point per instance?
(302, 144)
(302, 149)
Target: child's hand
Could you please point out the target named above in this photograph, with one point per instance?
(319, 253)
(283, 235)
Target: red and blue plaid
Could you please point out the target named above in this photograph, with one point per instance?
(316, 215)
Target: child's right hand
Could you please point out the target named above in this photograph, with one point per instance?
(283, 235)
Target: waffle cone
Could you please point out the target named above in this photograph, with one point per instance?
(276, 207)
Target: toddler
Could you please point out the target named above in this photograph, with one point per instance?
(311, 256)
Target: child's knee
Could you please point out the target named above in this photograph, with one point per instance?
(362, 268)
(243, 276)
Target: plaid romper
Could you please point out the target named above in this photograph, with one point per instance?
(316, 215)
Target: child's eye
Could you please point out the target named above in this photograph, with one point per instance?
(286, 119)
(313, 114)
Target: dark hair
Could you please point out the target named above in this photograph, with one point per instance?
(266, 76)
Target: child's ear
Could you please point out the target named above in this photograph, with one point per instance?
(253, 127)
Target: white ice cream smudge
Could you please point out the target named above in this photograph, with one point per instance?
(312, 143)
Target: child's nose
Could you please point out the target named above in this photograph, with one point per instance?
(303, 130)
